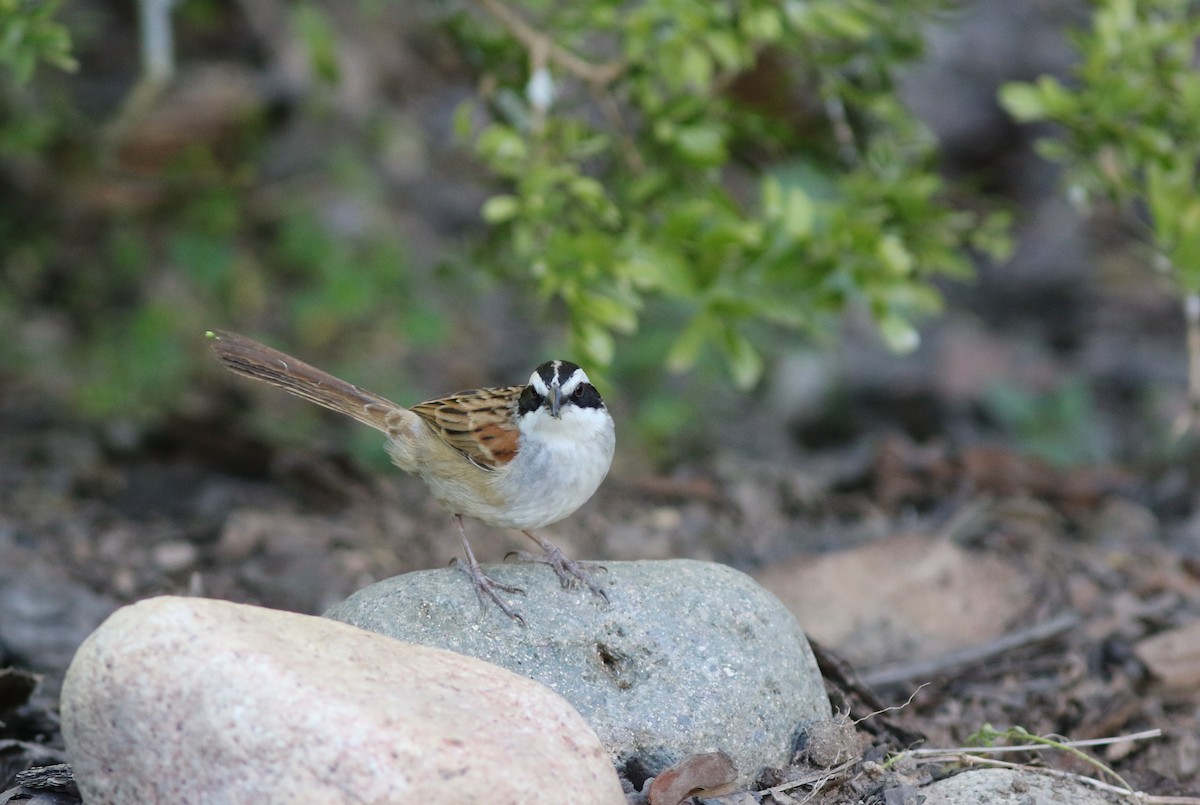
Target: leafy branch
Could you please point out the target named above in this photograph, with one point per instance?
(1130, 135)
(718, 172)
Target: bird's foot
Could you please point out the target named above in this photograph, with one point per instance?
(485, 586)
(488, 588)
(570, 572)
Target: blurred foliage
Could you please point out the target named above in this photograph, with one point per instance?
(748, 163)
(30, 34)
(126, 233)
(1061, 425)
(708, 176)
(233, 253)
(1129, 121)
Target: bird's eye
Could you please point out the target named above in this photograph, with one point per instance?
(578, 392)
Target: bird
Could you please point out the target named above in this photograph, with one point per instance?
(520, 457)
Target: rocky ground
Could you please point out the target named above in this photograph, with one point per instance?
(944, 572)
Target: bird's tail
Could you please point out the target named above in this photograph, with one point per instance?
(247, 357)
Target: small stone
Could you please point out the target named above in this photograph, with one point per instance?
(124, 582)
(244, 531)
(666, 518)
(687, 658)
(174, 556)
(1011, 787)
(194, 700)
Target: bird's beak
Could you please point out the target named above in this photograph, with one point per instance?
(555, 401)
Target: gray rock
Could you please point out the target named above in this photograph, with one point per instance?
(189, 700)
(689, 656)
(1012, 787)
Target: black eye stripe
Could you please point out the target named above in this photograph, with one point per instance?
(558, 373)
(530, 400)
(586, 396)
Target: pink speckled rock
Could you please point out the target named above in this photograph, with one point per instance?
(186, 700)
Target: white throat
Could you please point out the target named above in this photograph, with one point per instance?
(573, 424)
(559, 465)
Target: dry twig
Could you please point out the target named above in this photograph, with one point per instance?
(954, 752)
(818, 780)
(1037, 633)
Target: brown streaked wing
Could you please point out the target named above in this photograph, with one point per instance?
(479, 423)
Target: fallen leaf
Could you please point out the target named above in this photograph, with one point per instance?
(1173, 657)
(710, 774)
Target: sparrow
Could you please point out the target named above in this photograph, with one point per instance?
(520, 457)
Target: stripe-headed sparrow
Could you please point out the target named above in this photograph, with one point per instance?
(519, 457)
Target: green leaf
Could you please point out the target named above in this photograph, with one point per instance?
(771, 191)
(799, 213)
(898, 333)
(499, 209)
(726, 48)
(686, 348)
(503, 147)
(652, 268)
(842, 21)
(894, 256)
(744, 361)
(318, 35)
(463, 124)
(695, 68)
(611, 313)
(763, 24)
(702, 143)
(1023, 101)
(594, 343)
(1185, 252)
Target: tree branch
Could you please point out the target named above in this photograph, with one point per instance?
(597, 75)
